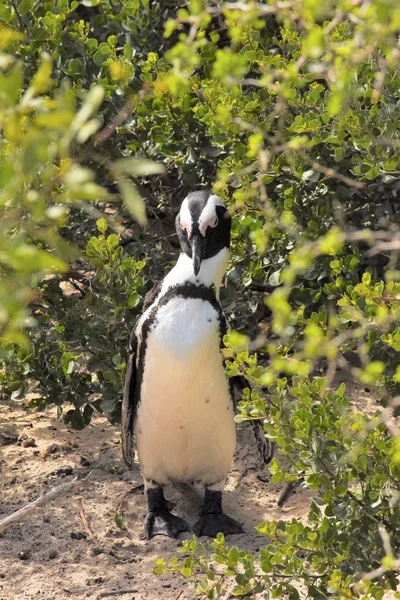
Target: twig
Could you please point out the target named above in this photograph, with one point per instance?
(109, 129)
(228, 593)
(116, 593)
(33, 507)
(288, 491)
(329, 172)
(385, 541)
(261, 9)
(382, 569)
(19, 19)
(85, 521)
(76, 286)
(136, 488)
(385, 247)
(387, 418)
(120, 506)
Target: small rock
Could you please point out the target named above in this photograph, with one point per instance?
(96, 551)
(63, 471)
(53, 554)
(166, 585)
(29, 443)
(96, 581)
(7, 438)
(78, 535)
(84, 461)
(24, 555)
(53, 449)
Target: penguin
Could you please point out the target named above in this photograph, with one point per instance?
(177, 404)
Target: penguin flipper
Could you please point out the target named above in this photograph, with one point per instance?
(152, 295)
(129, 406)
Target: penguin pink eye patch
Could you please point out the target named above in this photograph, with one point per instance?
(186, 227)
(211, 222)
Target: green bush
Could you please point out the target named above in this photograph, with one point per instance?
(77, 351)
(289, 110)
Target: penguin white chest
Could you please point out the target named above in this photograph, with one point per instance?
(185, 427)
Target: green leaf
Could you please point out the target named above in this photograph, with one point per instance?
(102, 225)
(235, 339)
(10, 85)
(90, 105)
(133, 300)
(366, 278)
(31, 259)
(133, 201)
(119, 521)
(41, 80)
(372, 372)
(138, 167)
(75, 419)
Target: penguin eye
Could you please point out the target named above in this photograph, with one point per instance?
(185, 228)
(211, 222)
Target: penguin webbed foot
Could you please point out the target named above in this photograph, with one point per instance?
(164, 523)
(159, 519)
(213, 520)
(213, 524)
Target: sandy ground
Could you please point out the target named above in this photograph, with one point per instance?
(51, 556)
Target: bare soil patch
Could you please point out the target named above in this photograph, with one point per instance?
(51, 556)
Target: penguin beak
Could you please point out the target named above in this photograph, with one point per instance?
(197, 253)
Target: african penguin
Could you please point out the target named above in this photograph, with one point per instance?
(177, 403)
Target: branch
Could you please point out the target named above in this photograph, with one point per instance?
(288, 490)
(329, 172)
(85, 521)
(116, 593)
(33, 507)
(382, 569)
(18, 16)
(385, 247)
(109, 129)
(262, 9)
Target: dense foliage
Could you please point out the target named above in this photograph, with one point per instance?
(290, 111)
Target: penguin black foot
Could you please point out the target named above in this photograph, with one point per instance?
(159, 519)
(212, 525)
(213, 521)
(164, 523)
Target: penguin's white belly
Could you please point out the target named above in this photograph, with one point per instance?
(185, 430)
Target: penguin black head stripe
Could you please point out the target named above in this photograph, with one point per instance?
(203, 226)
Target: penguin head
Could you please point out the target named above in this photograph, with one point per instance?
(203, 225)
